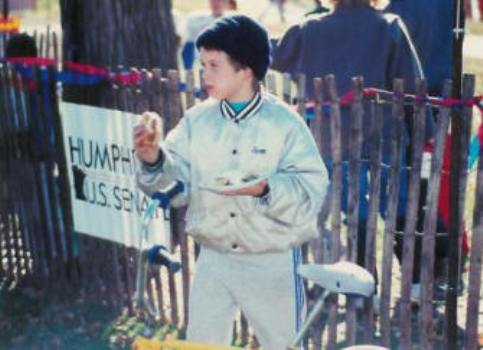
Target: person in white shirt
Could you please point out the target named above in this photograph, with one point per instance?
(199, 21)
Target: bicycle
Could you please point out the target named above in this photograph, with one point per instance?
(341, 278)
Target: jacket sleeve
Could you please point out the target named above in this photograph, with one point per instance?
(174, 164)
(287, 51)
(300, 184)
(406, 64)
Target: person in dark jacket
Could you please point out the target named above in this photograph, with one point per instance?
(430, 31)
(355, 40)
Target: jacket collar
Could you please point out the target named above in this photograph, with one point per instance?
(248, 111)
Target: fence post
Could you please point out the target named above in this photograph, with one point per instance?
(174, 104)
(10, 221)
(336, 155)
(375, 140)
(430, 224)
(179, 213)
(411, 217)
(474, 279)
(319, 246)
(287, 88)
(353, 232)
(391, 211)
(157, 101)
(190, 89)
(271, 84)
(460, 131)
(125, 97)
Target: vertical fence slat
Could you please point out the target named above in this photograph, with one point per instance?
(36, 188)
(462, 128)
(271, 84)
(180, 213)
(41, 44)
(355, 145)
(301, 111)
(336, 155)
(375, 137)
(190, 89)
(476, 255)
(287, 88)
(430, 224)
(125, 97)
(18, 215)
(55, 45)
(3, 181)
(316, 124)
(391, 211)
(24, 173)
(176, 214)
(47, 172)
(411, 218)
(158, 102)
(319, 246)
(301, 95)
(30, 190)
(69, 239)
(4, 160)
(10, 214)
(47, 42)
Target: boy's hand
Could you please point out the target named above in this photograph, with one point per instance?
(146, 135)
(255, 190)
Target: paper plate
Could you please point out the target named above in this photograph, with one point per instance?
(231, 181)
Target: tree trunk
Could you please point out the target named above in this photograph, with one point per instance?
(113, 33)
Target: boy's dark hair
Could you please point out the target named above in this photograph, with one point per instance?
(242, 39)
(21, 45)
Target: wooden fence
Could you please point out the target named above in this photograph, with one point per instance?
(38, 246)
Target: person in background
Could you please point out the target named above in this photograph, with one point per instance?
(430, 31)
(355, 39)
(318, 9)
(280, 4)
(233, 5)
(197, 22)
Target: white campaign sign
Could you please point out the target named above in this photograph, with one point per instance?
(100, 160)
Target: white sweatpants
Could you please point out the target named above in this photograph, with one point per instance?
(264, 286)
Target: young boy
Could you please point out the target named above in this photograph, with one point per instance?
(249, 237)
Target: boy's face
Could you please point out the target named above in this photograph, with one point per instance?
(219, 6)
(222, 80)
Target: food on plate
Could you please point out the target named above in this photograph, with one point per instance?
(234, 178)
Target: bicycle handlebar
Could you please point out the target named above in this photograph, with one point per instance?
(164, 197)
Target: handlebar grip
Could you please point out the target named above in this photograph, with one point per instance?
(157, 255)
(164, 197)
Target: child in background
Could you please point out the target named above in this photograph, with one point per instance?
(195, 25)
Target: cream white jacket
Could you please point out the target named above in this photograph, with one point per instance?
(270, 139)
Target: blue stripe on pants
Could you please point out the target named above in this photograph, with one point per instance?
(299, 291)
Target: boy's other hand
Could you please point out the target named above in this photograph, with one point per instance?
(146, 136)
(255, 190)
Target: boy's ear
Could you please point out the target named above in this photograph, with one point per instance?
(248, 72)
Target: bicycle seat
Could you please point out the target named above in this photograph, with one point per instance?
(341, 277)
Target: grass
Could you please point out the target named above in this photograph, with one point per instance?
(29, 320)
